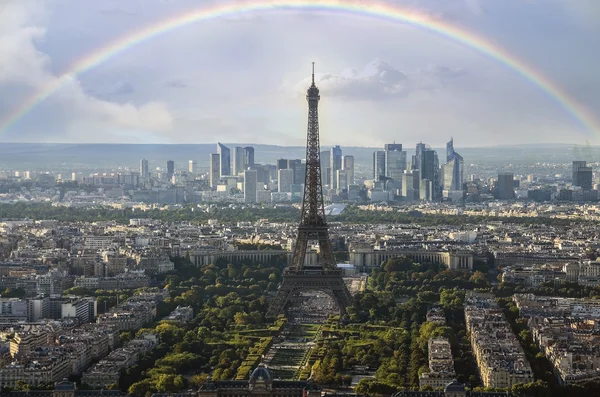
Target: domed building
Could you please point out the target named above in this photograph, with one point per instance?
(260, 384)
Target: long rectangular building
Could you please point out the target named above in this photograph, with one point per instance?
(500, 358)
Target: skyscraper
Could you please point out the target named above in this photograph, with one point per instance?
(263, 173)
(239, 160)
(296, 166)
(425, 190)
(505, 186)
(224, 159)
(427, 162)
(297, 169)
(249, 152)
(285, 180)
(192, 167)
(144, 169)
(170, 169)
(452, 170)
(582, 175)
(378, 165)
(250, 184)
(341, 179)
(348, 166)
(395, 161)
(215, 169)
(417, 157)
(282, 164)
(411, 185)
(388, 147)
(324, 161)
(335, 164)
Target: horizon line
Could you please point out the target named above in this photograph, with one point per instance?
(233, 144)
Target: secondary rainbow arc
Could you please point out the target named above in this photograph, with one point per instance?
(381, 10)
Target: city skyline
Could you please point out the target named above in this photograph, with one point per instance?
(395, 76)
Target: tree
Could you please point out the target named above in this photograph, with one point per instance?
(538, 388)
(21, 385)
(141, 388)
(478, 278)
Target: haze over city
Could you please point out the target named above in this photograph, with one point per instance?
(242, 76)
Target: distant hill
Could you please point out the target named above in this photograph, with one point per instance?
(61, 156)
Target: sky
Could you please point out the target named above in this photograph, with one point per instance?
(243, 78)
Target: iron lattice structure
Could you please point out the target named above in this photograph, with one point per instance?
(323, 276)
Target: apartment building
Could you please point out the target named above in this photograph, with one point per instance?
(500, 358)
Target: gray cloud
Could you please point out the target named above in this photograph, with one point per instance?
(379, 80)
(176, 84)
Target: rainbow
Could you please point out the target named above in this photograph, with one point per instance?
(372, 9)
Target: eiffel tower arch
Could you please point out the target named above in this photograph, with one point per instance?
(325, 275)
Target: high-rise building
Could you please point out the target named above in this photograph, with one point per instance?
(411, 185)
(249, 151)
(453, 169)
(224, 159)
(192, 167)
(427, 165)
(378, 165)
(285, 180)
(417, 157)
(425, 190)
(170, 169)
(214, 169)
(395, 161)
(427, 162)
(296, 166)
(341, 179)
(239, 160)
(389, 147)
(582, 175)
(348, 166)
(263, 173)
(282, 164)
(299, 171)
(505, 186)
(335, 164)
(324, 161)
(144, 169)
(250, 184)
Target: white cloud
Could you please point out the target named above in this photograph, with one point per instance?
(380, 80)
(23, 65)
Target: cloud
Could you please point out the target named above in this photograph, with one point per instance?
(118, 89)
(25, 68)
(20, 27)
(475, 7)
(176, 84)
(379, 80)
(116, 12)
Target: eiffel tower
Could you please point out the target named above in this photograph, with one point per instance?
(323, 276)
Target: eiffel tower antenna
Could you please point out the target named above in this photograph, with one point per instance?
(324, 275)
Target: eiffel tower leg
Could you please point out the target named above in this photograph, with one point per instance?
(299, 251)
(278, 304)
